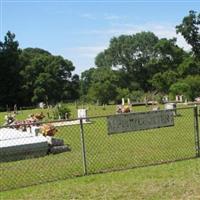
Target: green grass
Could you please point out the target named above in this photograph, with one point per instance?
(92, 111)
(180, 180)
(104, 152)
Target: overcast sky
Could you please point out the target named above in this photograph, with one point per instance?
(79, 30)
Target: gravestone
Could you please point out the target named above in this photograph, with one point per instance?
(165, 99)
(82, 113)
(179, 98)
(123, 102)
(171, 106)
(128, 101)
(186, 102)
(41, 105)
(15, 109)
(155, 108)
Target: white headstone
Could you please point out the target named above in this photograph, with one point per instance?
(181, 98)
(123, 102)
(186, 101)
(155, 108)
(171, 106)
(165, 99)
(128, 101)
(41, 105)
(82, 113)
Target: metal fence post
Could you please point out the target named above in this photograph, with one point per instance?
(83, 147)
(196, 130)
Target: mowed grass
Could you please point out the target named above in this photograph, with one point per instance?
(103, 152)
(93, 111)
(180, 180)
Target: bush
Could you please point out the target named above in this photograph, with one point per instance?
(137, 95)
(2, 109)
(180, 88)
(61, 110)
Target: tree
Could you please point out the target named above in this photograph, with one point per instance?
(74, 89)
(122, 93)
(129, 54)
(103, 86)
(103, 59)
(180, 88)
(189, 87)
(9, 69)
(167, 56)
(86, 81)
(189, 28)
(194, 83)
(189, 66)
(46, 77)
(162, 81)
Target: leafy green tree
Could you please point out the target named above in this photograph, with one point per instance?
(194, 83)
(190, 28)
(103, 86)
(129, 54)
(46, 77)
(103, 59)
(189, 66)
(163, 81)
(45, 86)
(122, 93)
(86, 81)
(180, 88)
(167, 56)
(189, 87)
(9, 69)
(75, 87)
(137, 95)
(138, 58)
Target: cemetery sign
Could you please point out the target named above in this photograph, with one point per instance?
(140, 121)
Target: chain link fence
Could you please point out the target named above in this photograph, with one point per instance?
(90, 149)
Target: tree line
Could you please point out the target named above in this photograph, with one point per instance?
(34, 75)
(132, 65)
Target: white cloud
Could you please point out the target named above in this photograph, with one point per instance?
(88, 16)
(85, 51)
(107, 17)
(113, 17)
(161, 30)
(84, 56)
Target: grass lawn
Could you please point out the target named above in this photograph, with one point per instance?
(92, 111)
(103, 152)
(180, 180)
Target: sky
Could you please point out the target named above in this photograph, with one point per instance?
(79, 30)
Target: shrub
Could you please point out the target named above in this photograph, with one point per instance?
(61, 110)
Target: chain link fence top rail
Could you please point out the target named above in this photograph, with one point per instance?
(92, 150)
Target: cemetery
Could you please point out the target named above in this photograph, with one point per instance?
(31, 138)
(128, 99)
(57, 142)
